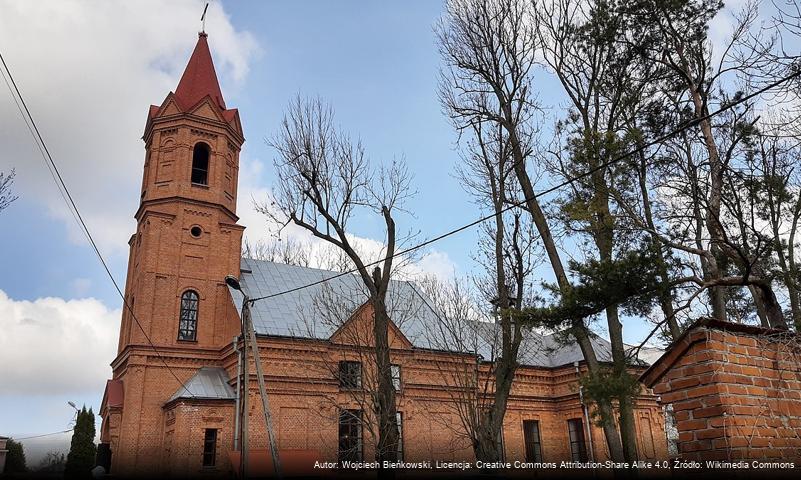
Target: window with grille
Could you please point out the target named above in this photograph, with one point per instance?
(396, 377)
(531, 436)
(187, 327)
(210, 448)
(350, 375)
(350, 435)
(578, 447)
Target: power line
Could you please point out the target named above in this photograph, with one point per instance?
(547, 191)
(402, 252)
(65, 194)
(42, 435)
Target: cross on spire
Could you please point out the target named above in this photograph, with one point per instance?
(203, 19)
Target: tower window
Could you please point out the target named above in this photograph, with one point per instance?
(200, 164)
(195, 231)
(187, 327)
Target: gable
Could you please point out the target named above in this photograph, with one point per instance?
(358, 331)
(168, 107)
(206, 109)
(232, 117)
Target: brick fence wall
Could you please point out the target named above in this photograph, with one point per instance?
(735, 391)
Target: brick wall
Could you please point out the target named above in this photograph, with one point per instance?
(735, 391)
(185, 424)
(155, 437)
(305, 399)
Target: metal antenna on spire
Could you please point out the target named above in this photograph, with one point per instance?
(203, 18)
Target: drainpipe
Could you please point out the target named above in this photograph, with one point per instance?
(238, 377)
(586, 414)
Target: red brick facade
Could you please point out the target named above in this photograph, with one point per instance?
(735, 391)
(148, 433)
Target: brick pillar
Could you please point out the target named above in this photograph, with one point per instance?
(735, 391)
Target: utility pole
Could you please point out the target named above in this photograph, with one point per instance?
(249, 332)
(265, 403)
(243, 434)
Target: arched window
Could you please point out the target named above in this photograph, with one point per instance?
(200, 164)
(187, 326)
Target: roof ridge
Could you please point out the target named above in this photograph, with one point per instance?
(318, 269)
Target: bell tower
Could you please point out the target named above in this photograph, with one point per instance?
(187, 239)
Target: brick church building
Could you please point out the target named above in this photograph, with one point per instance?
(170, 407)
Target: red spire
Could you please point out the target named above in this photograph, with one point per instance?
(199, 78)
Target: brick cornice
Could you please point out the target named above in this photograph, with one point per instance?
(178, 198)
(166, 352)
(189, 120)
(197, 401)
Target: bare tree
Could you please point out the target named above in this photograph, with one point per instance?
(300, 253)
(464, 329)
(489, 48)
(324, 178)
(508, 253)
(472, 329)
(288, 251)
(52, 463)
(338, 310)
(6, 197)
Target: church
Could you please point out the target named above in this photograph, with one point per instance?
(171, 405)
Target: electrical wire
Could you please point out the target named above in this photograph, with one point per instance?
(65, 194)
(42, 435)
(547, 191)
(411, 249)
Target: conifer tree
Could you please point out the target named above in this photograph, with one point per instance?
(15, 458)
(81, 458)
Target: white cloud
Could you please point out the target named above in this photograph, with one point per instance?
(53, 346)
(89, 71)
(438, 264)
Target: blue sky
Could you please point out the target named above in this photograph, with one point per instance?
(89, 74)
(378, 69)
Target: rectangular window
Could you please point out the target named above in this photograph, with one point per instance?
(396, 377)
(350, 435)
(578, 448)
(210, 448)
(350, 375)
(531, 435)
(399, 420)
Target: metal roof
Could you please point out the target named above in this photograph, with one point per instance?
(207, 383)
(316, 312)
